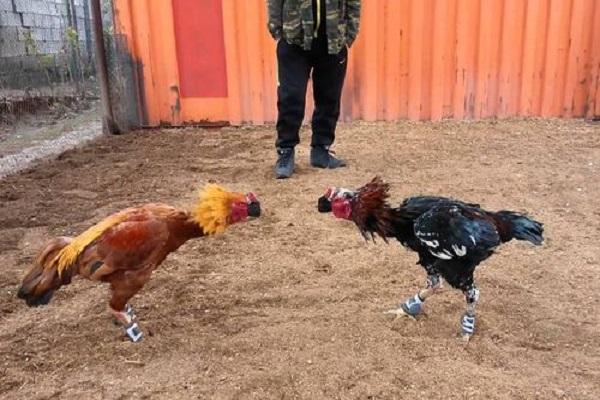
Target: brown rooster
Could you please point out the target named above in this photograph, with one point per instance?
(127, 246)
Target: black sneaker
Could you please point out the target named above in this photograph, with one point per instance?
(321, 157)
(284, 167)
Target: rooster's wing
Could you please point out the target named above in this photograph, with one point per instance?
(454, 231)
(136, 243)
(414, 207)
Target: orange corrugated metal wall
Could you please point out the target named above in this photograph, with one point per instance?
(416, 59)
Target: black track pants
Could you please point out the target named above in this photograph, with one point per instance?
(294, 69)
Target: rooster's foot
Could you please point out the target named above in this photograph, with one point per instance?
(127, 319)
(402, 312)
(397, 313)
(412, 307)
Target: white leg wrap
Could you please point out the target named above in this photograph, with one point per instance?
(468, 324)
(133, 332)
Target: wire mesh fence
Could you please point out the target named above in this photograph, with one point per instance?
(46, 58)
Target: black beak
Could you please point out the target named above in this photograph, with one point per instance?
(324, 205)
(21, 293)
(254, 209)
(37, 301)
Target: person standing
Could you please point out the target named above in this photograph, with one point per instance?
(312, 36)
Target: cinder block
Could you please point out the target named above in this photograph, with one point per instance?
(24, 6)
(8, 18)
(6, 5)
(12, 49)
(56, 34)
(28, 20)
(52, 9)
(8, 34)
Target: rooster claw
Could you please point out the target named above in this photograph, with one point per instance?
(398, 313)
(465, 337)
(133, 332)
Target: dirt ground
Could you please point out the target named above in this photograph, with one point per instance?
(291, 305)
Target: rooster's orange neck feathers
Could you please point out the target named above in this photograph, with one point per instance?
(213, 208)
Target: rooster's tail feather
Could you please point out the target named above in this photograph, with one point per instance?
(523, 228)
(43, 279)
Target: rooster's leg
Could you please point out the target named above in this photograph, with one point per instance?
(467, 322)
(130, 312)
(414, 305)
(127, 319)
(122, 291)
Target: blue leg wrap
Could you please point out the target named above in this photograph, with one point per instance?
(413, 305)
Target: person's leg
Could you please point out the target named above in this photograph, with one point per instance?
(293, 74)
(329, 72)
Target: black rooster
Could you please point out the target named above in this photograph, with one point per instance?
(450, 236)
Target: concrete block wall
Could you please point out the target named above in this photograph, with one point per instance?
(34, 40)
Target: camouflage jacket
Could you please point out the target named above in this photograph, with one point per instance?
(293, 21)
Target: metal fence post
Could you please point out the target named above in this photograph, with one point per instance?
(109, 124)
